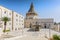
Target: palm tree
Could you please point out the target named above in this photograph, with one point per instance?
(5, 19)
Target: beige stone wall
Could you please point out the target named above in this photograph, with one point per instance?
(16, 20)
(56, 28)
(39, 22)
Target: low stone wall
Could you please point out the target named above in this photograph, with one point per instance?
(15, 38)
(1, 31)
(56, 28)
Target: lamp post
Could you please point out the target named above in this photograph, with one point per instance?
(45, 29)
(22, 30)
(49, 30)
(58, 27)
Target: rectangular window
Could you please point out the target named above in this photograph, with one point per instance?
(22, 20)
(9, 23)
(9, 13)
(16, 15)
(22, 24)
(4, 12)
(16, 19)
(19, 20)
(21, 17)
(15, 28)
(18, 28)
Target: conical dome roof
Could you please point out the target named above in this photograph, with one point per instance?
(31, 10)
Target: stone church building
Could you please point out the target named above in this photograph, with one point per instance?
(32, 19)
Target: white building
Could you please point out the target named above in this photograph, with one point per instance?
(32, 18)
(16, 20)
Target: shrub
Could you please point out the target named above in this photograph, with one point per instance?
(56, 37)
(6, 30)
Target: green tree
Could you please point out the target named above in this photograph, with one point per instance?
(56, 37)
(5, 19)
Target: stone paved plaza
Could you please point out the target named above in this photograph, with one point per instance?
(32, 35)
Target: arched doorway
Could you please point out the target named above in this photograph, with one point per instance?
(45, 25)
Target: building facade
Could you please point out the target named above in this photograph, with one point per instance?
(32, 18)
(16, 20)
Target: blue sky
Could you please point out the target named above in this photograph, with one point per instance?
(45, 8)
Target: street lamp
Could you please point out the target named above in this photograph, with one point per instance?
(45, 29)
(22, 30)
(58, 27)
(49, 30)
